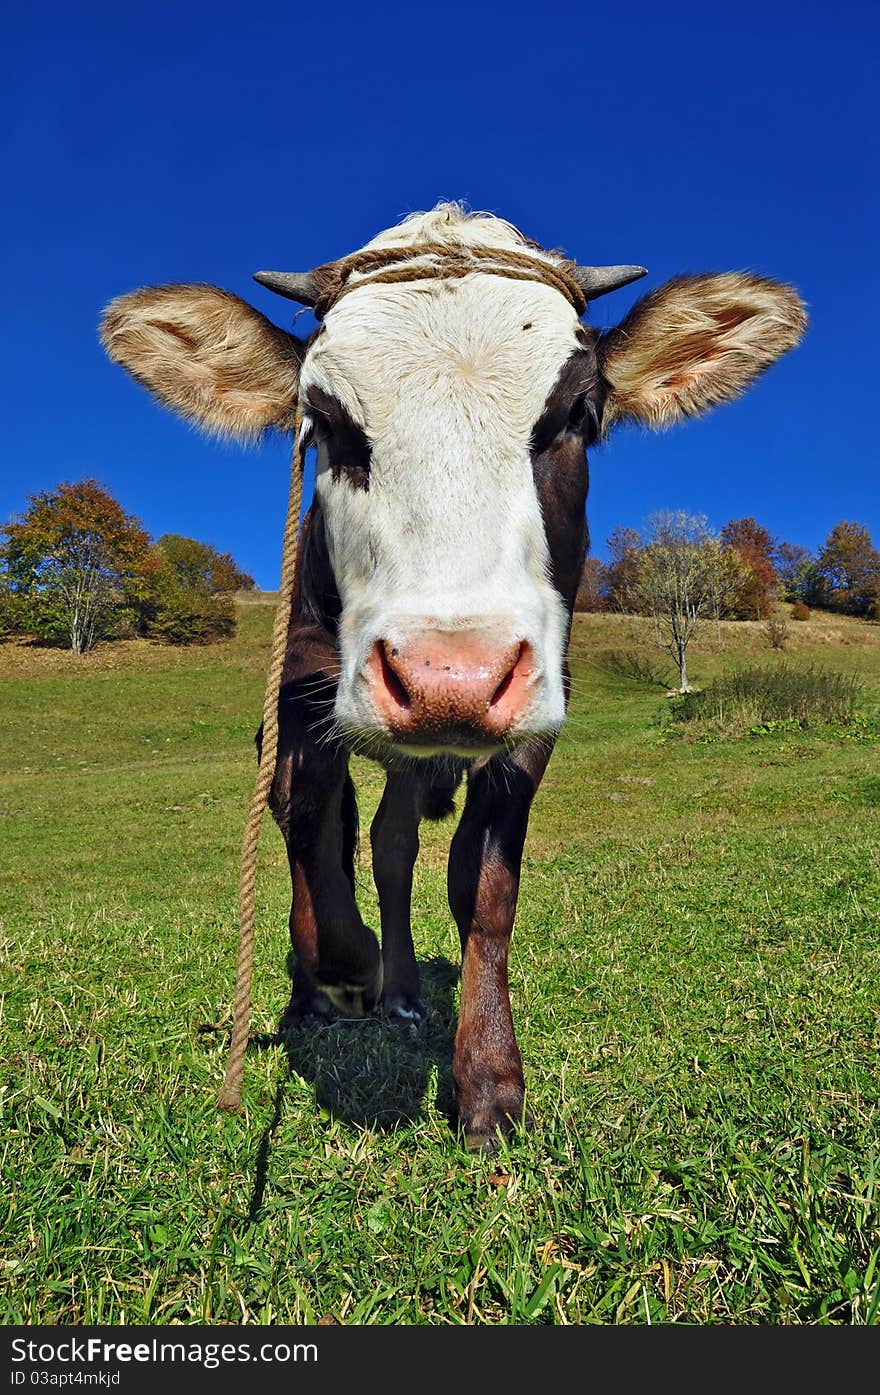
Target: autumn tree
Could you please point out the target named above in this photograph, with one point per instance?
(756, 549)
(676, 573)
(794, 567)
(79, 563)
(847, 572)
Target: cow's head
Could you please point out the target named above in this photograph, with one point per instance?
(451, 419)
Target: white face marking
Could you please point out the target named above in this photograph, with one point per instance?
(447, 379)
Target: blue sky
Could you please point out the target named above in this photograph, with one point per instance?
(166, 142)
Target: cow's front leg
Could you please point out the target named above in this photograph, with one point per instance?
(484, 866)
(337, 956)
(394, 837)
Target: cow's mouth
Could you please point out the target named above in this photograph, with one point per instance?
(458, 741)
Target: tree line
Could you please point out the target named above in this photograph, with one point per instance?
(745, 570)
(679, 572)
(76, 568)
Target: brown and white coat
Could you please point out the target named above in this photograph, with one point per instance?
(439, 563)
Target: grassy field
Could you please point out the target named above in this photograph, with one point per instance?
(695, 981)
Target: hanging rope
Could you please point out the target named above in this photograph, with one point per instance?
(377, 264)
(230, 1095)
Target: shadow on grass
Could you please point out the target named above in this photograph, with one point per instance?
(368, 1072)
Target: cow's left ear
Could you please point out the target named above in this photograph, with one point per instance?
(207, 355)
(695, 342)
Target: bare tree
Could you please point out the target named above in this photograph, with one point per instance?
(676, 580)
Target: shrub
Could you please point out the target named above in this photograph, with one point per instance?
(756, 696)
(15, 614)
(776, 632)
(46, 617)
(184, 616)
(799, 611)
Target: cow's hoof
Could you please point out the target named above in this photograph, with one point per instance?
(483, 1145)
(307, 1005)
(406, 1009)
(487, 1129)
(353, 999)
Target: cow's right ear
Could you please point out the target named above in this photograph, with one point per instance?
(694, 343)
(207, 355)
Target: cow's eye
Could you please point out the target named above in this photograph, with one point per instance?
(322, 426)
(585, 419)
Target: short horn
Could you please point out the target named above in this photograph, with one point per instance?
(599, 280)
(301, 286)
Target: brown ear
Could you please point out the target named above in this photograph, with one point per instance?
(208, 356)
(694, 343)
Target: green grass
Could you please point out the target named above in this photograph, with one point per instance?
(694, 978)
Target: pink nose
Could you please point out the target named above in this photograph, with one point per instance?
(450, 684)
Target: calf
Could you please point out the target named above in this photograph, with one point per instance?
(451, 392)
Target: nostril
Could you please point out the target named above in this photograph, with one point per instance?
(502, 688)
(391, 679)
(507, 680)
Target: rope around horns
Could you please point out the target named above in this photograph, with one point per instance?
(374, 265)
